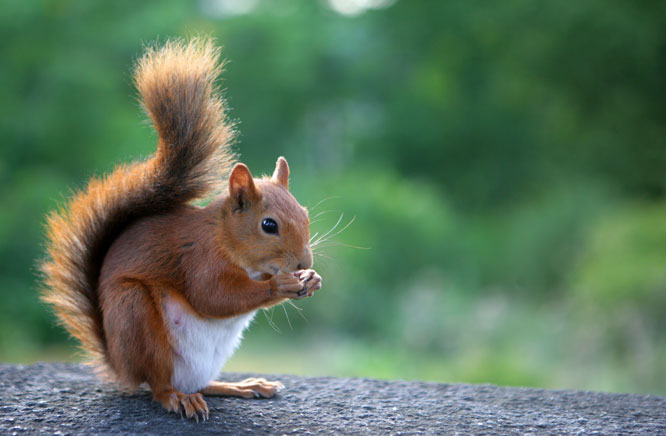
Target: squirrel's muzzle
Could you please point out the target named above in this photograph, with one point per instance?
(305, 261)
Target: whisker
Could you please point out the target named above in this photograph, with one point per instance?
(299, 310)
(323, 200)
(342, 215)
(323, 212)
(270, 320)
(313, 236)
(287, 315)
(341, 244)
(325, 238)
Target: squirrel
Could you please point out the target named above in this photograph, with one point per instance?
(157, 289)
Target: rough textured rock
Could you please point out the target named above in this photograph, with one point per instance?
(68, 399)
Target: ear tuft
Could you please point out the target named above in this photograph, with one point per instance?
(241, 186)
(281, 173)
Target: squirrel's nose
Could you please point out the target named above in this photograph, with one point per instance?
(306, 261)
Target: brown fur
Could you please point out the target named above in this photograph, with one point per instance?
(176, 84)
(132, 239)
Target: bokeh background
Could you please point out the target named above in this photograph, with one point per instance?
(503, 164)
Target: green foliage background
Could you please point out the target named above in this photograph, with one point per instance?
(504, 162)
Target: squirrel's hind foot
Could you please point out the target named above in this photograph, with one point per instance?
(188, 405)
(248, 388)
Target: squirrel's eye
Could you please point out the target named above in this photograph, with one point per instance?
(269, 225)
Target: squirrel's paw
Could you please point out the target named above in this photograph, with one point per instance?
(188, 405)
(248, 388)
(311, 280)
(287, 285)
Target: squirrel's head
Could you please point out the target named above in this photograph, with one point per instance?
(264, 228)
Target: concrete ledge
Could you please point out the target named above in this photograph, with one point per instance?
(68, 399)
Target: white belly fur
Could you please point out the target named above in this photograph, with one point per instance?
(201, 345)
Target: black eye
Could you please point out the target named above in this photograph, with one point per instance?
(269, 226)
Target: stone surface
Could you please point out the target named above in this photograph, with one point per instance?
(68, 399)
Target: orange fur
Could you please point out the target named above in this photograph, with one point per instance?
(176, 84)
(131, 240)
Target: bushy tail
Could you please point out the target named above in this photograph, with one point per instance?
(176, 83)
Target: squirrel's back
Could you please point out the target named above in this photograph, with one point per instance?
(177, 87)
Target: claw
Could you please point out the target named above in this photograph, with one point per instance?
(186, 405)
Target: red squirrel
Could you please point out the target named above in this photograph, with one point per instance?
(156, 289)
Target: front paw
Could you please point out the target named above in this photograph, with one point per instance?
(311, 282)
(287, 285)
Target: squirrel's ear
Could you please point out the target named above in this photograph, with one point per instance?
(241, 187)
(281, 173)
